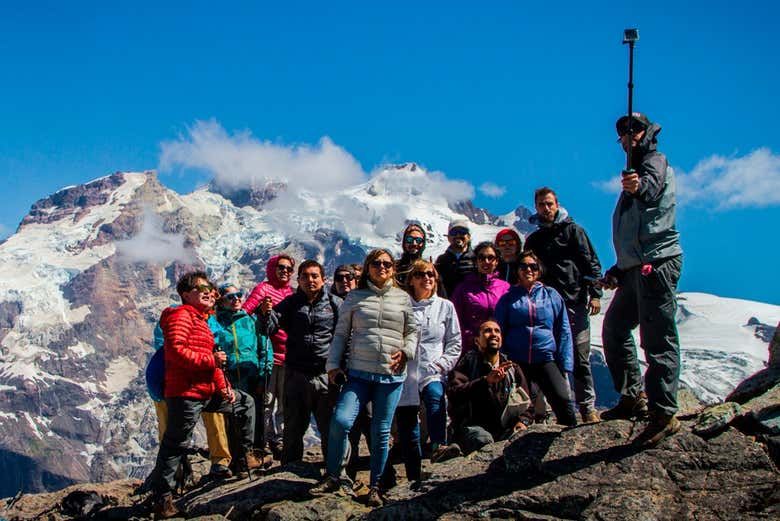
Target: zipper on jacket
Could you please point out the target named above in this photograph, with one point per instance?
(379, 326)
(235, 350)
(531, 333)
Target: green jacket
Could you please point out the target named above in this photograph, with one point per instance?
(240, 342)
(643, 225)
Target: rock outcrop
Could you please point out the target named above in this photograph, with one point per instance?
(547, 472)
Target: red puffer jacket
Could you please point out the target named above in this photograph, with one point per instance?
(190, 370)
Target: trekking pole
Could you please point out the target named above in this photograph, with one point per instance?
(234, 423)
(630, 37)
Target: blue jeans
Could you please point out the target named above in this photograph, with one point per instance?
(356, 393)
(436, 412)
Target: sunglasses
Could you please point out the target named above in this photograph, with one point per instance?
(204, 288)
(344, 276)
(456, 232)
(421, 274)
(284, 267)
(413, 240)
(486, 258)
(236, 295)
(506, 242)
(381, 264)
(528, 266)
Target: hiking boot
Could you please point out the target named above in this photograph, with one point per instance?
(661, 426)
(374, 498)
(252, 462)
(445, 452)
(330, 484)
(164, 507)
(590, 416)
(219, 471)
(266, 459)
(628, 408)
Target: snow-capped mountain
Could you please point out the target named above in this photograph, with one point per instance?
(91, 267)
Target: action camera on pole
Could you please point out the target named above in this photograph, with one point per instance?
(630, 37)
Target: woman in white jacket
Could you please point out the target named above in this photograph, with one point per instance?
(378, 321)
(438, 349)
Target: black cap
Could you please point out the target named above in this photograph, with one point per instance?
(639, 122)
(344, 268)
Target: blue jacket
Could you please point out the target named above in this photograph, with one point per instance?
(535, 326)
(238, 338)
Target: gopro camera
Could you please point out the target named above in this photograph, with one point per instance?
(630, 35)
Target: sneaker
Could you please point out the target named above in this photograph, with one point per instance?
(164, 507)
(661, 426)
(590, 416)
(219, 471)
(374, 498)
(445, 452)
(330, 485)
(628, 408)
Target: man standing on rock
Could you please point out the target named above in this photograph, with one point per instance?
(194, 383)
(568, 256)
(309, 316)
(649, 262)
(479, 391)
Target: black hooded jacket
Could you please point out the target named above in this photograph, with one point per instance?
(567, 255)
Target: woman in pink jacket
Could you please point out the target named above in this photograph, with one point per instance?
(475, 298)
(276, 287)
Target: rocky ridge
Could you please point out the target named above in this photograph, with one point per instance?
(547, 472)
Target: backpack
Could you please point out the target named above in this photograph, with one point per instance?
(155, 376)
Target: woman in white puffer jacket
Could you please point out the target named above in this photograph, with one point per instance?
(438, 349)
(378, 321)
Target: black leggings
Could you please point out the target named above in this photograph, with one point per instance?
(555, 388)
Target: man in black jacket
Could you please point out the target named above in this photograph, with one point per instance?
(309, 316)
(479, 389)
(568, 256)
(459, 259)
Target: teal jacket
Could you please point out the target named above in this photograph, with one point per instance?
(238, 339)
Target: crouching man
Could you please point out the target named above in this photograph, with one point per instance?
(483, 400)
(194, 383)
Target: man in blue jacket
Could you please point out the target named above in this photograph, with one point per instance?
(649, 261)
(309, 316)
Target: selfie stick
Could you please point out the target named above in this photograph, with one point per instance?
(630, 37)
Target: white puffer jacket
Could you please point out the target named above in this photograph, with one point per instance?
(438, 348)
(380, 322)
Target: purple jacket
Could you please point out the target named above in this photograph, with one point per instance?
(475, 301)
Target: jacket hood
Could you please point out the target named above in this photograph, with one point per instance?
(484, 280)
(649, 141)
(270, 271)
(561, 216)
(412, 227)
(512, 233)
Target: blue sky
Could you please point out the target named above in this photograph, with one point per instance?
(518, 95)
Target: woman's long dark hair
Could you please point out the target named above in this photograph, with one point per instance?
(371, 257)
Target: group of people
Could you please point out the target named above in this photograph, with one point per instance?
(484, 338)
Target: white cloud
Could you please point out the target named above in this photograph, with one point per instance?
(493, 190)
(725, 183)
(153, 245)
(242, 160)
(733, 182)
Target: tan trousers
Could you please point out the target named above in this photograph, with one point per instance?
(216, 433)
